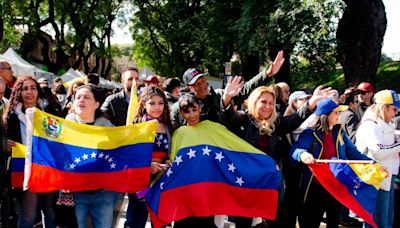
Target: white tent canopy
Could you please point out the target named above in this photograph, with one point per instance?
(74, 74)
(70, 75)
(21, 67)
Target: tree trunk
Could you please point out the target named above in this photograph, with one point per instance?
(250, 66)
(359, 40)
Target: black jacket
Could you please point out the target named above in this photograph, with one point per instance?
(13, 128)
(116, 108)
(244, 126)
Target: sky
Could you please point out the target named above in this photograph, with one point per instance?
(391, 42)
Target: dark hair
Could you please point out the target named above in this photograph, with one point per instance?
(60, 89)
(93, 78)
(58, 80)
(96, 94)
(147, 93)
(53, 106)
(129, 69)
(16, 97)
(347, 98)
(188, 100)
(170, 84)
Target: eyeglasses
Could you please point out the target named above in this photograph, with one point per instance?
(363, 92)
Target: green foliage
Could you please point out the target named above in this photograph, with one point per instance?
(11, 37)
(170, 36)
(387, 78)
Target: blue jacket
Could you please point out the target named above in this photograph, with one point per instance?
(310, 141)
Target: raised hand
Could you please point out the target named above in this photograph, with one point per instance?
(276, 65)
(232, 89)
(320, 93)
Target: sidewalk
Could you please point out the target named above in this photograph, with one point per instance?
(122, 213)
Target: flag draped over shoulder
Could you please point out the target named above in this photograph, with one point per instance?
(353, 185)
(17, 165)
(214, 172)
(66, 155)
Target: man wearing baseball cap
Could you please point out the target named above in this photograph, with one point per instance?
(211, 99)
(365, 93)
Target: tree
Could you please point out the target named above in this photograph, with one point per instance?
(359, 39)
(81, 28)
(173, 35)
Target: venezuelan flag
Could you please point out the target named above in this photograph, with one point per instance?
(77, 157)
(353, 185)
(133, 105)
(17, 165)
(214, 172)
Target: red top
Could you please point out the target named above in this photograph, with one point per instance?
(329, 146)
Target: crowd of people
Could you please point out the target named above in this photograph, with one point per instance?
(294, 128)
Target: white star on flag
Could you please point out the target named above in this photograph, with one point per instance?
(85, 156)
(231, 167)
(239, 181)
(101, 155)
(219, 156)
(162, 185)
(110, 160)
(72, 166)
(77, 160)
(169, 172)
(206, 151)
(178, 160)
(113, 165)
(191, 153)
(93, 155)
(107, 156)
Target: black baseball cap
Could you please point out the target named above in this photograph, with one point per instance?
(191, 75)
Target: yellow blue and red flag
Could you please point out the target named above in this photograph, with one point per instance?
(214, 172)
(77, 157)
(353, 185)
(17, 165)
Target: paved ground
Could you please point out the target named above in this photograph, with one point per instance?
(122, 214)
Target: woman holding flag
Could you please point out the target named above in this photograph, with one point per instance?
(153, 105)
(25, 95)
(99, 204)
(324, 139)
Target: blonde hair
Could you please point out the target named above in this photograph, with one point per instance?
(265, 126)
(374, 112)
